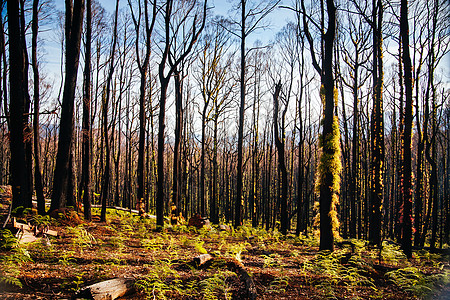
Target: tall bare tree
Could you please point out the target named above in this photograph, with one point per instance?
(355, 56)
(407, 132)
(36, 100)
(105, 105)
(212, 78)
(18, 112)
(62, 185)
(197, 26)
(251, 18)
(86, 131)
(143, 65)
(377, 126)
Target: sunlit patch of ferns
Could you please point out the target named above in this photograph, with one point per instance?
(81, 239)
(11, 262)
(412, 280)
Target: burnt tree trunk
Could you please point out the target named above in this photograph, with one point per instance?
(18, 81)
(407, 133)
(176, 184)
(377, 128)
(160, 180)
(279, 144)
(329, 172)
(239, 178)
(36, 98)
(86, 122)
(63, 173)
(107, 171)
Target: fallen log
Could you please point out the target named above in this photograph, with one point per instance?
(107, 290)
(232, 264)
(236, 266)
(36, 231)
(133, 211)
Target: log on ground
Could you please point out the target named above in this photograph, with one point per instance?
(107, 290)
(205, 260)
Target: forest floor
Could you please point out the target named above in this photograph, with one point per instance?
(281, 267)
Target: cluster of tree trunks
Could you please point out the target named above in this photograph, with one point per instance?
(276, 162)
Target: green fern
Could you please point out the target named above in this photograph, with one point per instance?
(10, 265)
(412, 280)
(81, 238)
(391, 253)
(7, 239)
(278, 285)
(154, 284)
(213, 287)
(199, 247)
(38, 220)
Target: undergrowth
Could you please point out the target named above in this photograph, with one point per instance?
(11, 261)
(163, 271)
(413, 280)
(332, 273)
(81, 238)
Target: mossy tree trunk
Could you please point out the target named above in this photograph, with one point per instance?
(328, 179)
(330, 160)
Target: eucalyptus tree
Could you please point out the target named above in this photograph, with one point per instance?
(85, 182)
(283, 71)
(374, 19)
(328, 179)
(106, 180)
(259, 63)
(36, 100)
(355, 55)
(214, 62)
(377, 126)
(18, 106)
(419, 38)
(407, 133)
(438, 46)
(99, 42)
(251, 19)
(62, 185)
(170, 32)
(179, 47)
(124, 82)
(143, 65)
(300, 95)
(280, 145)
